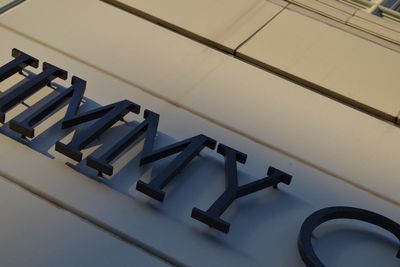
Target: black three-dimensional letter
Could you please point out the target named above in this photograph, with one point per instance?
(148, 126)
(17, 65)
(13, 97)
(189, 148)
(211, 217)
(74, 94)
(107, 115)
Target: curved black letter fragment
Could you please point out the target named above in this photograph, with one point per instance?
(319, 217)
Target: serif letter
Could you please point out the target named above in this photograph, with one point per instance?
(211, 217)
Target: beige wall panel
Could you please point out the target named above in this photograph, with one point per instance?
(225, 23)
(346, 65)
(184, 72)
(34, 233)
(114, 41)
(258, 235)
(276, 122)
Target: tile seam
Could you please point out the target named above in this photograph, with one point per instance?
(258, 30)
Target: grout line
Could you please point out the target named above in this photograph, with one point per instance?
(258, 30)
(217, 122)
(94, 222)
(380, 115)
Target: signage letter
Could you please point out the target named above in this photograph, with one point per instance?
(73, 95)
(13, 97)
(148, 126)
(321, 216)
(107, 115)
(18, 64)
(211, 217)
(189, 148)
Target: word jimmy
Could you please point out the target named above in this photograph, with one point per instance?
(103, 118)
(106, 117)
